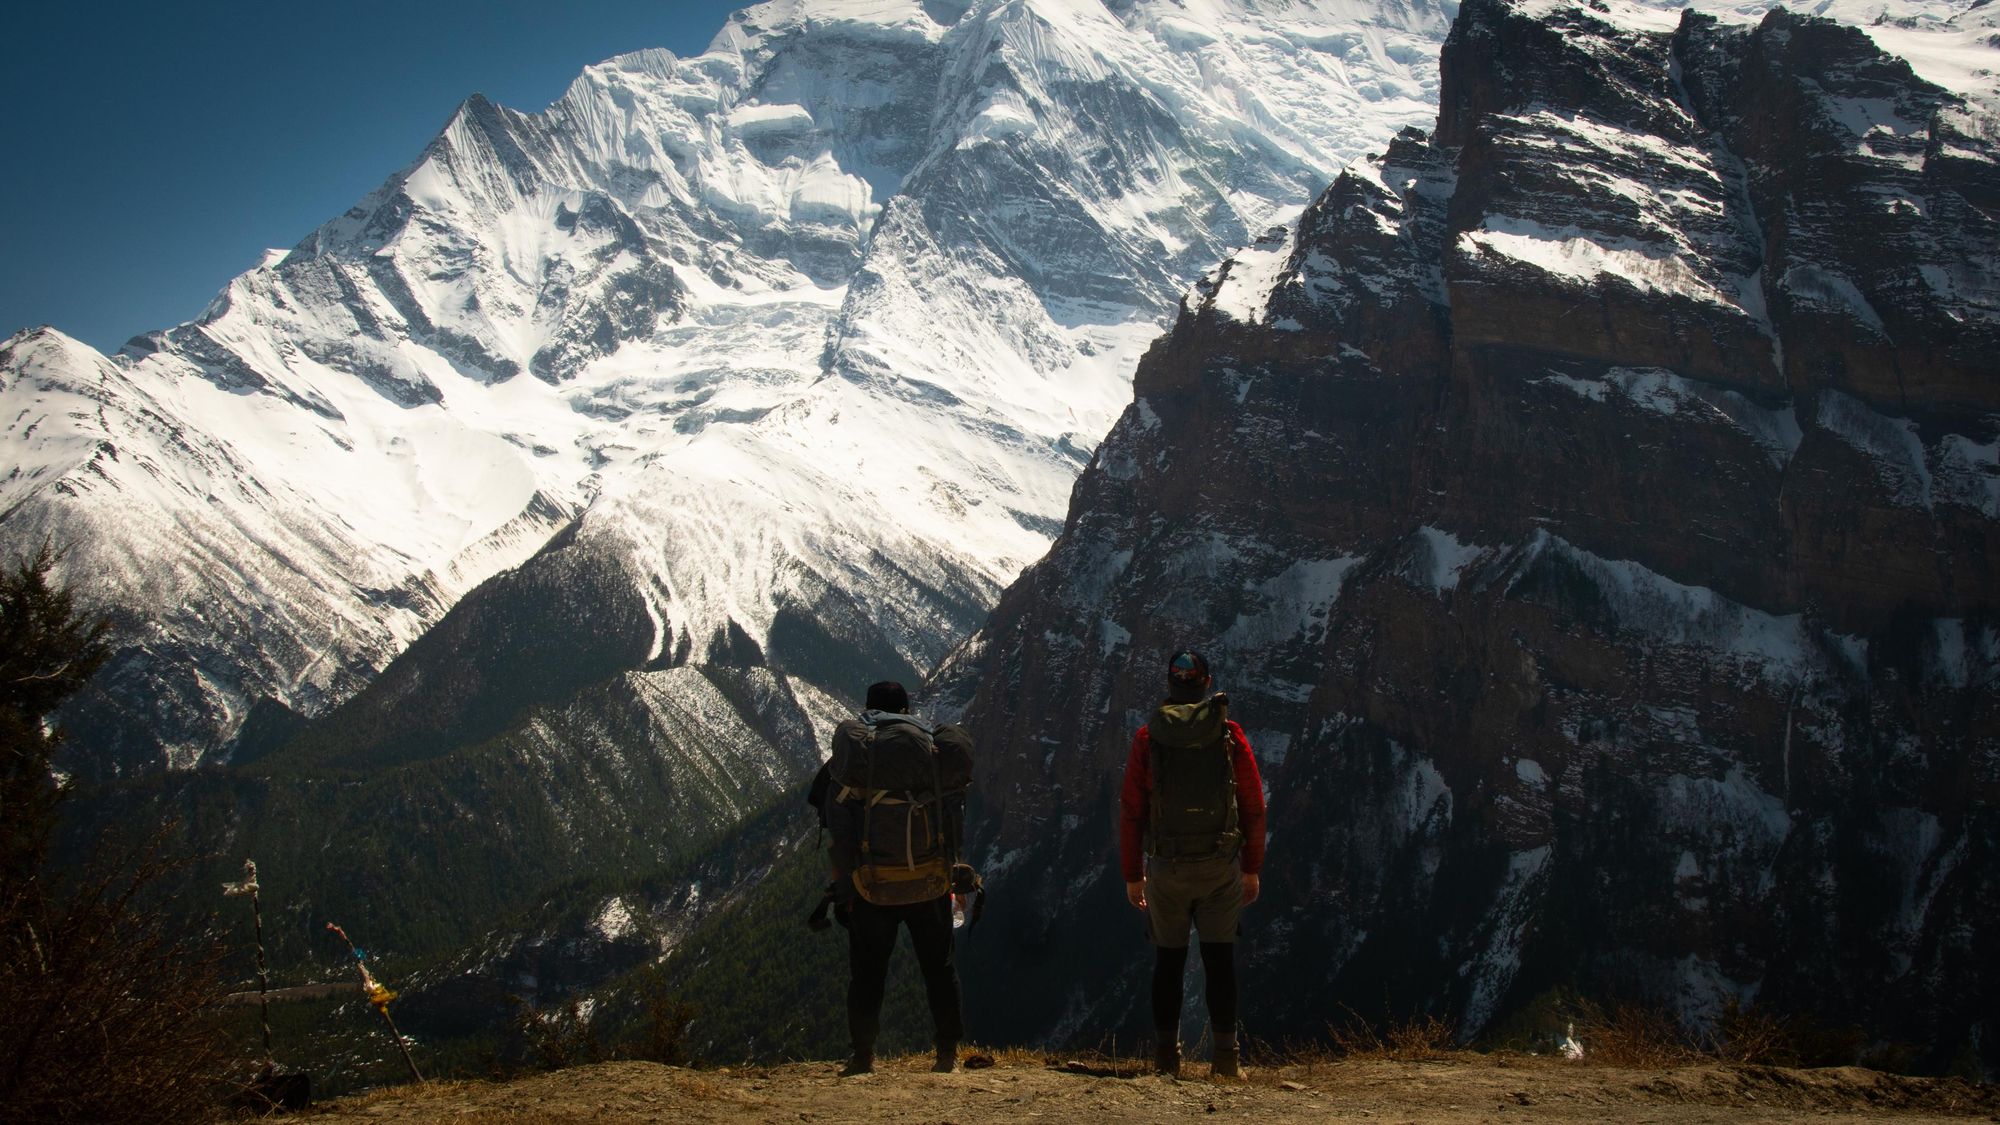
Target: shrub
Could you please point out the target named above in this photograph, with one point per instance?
(1753, 1035)
(1633, 1035)
(110, 1008)
(666, 1017)
(1414, 1037)
(559, 1038)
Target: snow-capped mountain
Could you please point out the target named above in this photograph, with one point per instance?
(788, 356)
(1592, 508)
(819, 324)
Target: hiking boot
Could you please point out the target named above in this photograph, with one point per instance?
(1227, 1065)
(863, 1062)
(1167, 1056)
(947, 1059)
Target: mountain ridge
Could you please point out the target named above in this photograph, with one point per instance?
(627, 307)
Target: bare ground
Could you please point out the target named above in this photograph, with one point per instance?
(1465, 1087)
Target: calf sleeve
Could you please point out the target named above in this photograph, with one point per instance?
(1218, 966)
(1169, 965)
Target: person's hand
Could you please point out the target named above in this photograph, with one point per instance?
(1252, 887)
(1135, 893)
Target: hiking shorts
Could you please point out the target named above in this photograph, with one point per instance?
(1206, 894)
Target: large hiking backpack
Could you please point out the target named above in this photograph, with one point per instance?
(906, 778)
(1193, 813)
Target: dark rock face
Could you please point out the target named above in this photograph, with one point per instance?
(532, 636)
(1591, 511)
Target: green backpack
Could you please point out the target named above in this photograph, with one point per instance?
(1194, 782)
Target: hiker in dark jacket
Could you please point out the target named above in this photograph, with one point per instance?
(1192, 859)
(902, 876)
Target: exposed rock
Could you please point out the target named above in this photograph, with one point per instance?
(1590, 512)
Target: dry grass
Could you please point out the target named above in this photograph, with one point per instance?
(545, 1116)
(1007, 1056)
(1616, 1038)
(416, 1092)
(1108, 1062)
(696, 1085)
(1264, 1063)
(1635, 1036)
(1755, 1037)
(1628, 1035)
(1411, 1039)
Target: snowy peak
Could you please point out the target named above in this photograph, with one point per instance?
(40, 367)
(815, 327)
(43, 350)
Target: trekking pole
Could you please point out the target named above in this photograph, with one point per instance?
(248, 887)
(377, 996)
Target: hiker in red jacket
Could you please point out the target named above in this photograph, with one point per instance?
(1191, 843)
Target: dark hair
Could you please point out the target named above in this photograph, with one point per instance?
(888, 696)
(1187, 676)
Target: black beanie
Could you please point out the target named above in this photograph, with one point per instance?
(888, 696)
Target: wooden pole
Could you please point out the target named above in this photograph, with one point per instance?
(249, 887)
(263, 983)
(379, 997)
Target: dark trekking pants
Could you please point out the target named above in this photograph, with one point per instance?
(1218, 965)
(871, 938)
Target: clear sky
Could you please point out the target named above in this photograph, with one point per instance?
(151, 151)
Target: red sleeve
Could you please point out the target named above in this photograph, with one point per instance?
(1135, 806)
(1249, 801)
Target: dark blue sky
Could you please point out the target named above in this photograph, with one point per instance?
(151, 151)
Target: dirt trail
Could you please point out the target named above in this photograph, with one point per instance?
(1484, 1088)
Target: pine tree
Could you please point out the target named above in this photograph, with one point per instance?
(109, 1004)
(47, 651)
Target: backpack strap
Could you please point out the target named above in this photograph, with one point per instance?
(871, 796)
(862, 858)
(1155, 813)
(950, 840)
(1231, 824)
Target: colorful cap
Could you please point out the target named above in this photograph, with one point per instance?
(1187, 666)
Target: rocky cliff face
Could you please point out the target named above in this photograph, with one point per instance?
(1591, 509)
